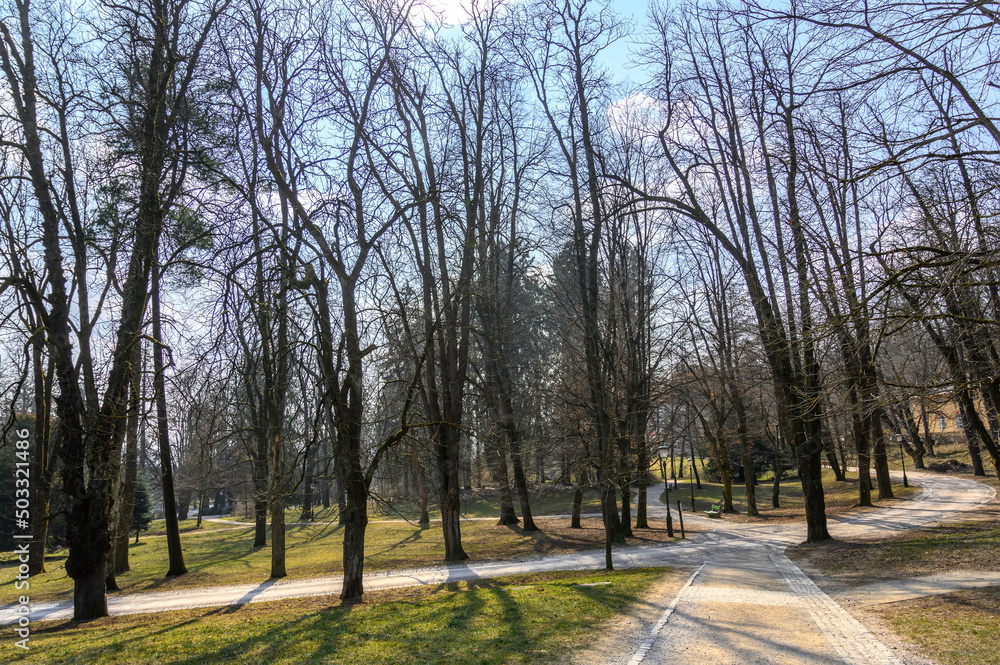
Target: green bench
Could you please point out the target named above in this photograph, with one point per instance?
(716, 511)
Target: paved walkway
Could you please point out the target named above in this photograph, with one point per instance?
(751, 604)
(746, 603)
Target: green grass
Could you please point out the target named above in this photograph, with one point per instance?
(525, 619)
(839, 496)
(224, 555)
(158, 527)
(552, 500)
(545, 501)
(961, 628)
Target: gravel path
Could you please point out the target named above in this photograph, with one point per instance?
(747, 603)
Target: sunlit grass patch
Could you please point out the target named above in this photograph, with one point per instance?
(225, 556)
(961, 628)
(524, 619)
(969, 545)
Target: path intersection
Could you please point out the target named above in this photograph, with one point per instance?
(745, 602)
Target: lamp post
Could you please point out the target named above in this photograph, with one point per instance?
(899, 440)
(691, 483)
(663, 451)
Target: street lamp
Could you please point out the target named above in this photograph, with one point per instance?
(691, 483)
(899, 440)
(663, 452)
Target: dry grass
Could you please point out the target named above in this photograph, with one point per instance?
(970, 545)
(840, 497)
(961, 628)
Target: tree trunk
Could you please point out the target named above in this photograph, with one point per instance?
(610, 511)
(90, 599)
(581, 483)
(520, 481)
(776, 484)
(722, 460)
(355, 524)
(418, 469)
(184, 505)
(612, 520)
(43, 468)
(626, 516)
(928, 439)
(498, 467)
(746, 452)
(864, 459)
(260, 521)
(339, 488)
(448, 462)
(625, 485)
(308, 478)
(278, 535)
(831, 455)
(916, 448)
(202, 499)
(175, 555)
(642, 473)
(974, 429)
(880, 457)
(307, 493)
(749, 477)
(694, 467)
(131, 469)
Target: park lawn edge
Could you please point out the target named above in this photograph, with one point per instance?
(523, 619)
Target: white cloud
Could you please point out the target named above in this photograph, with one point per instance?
(638, 113)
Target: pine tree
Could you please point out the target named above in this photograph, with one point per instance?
(142, 510)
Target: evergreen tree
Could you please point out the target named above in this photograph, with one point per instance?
(142, 513)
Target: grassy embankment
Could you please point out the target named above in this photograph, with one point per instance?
(220, 553)
(526, 619)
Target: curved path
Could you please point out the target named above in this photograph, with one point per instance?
(746, 603)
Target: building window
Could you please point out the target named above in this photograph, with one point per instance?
(958, 420)
(941, 423)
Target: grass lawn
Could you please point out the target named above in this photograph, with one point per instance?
(960, 628)
(840, 497)
(524, 619)
(546, 500)
(158, 528)
(969, 545)
(224, 555)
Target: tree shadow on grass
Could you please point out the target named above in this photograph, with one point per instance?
(413, 537)
(543, 543)
(338, 634)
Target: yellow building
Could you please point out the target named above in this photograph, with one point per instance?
(943, 414)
